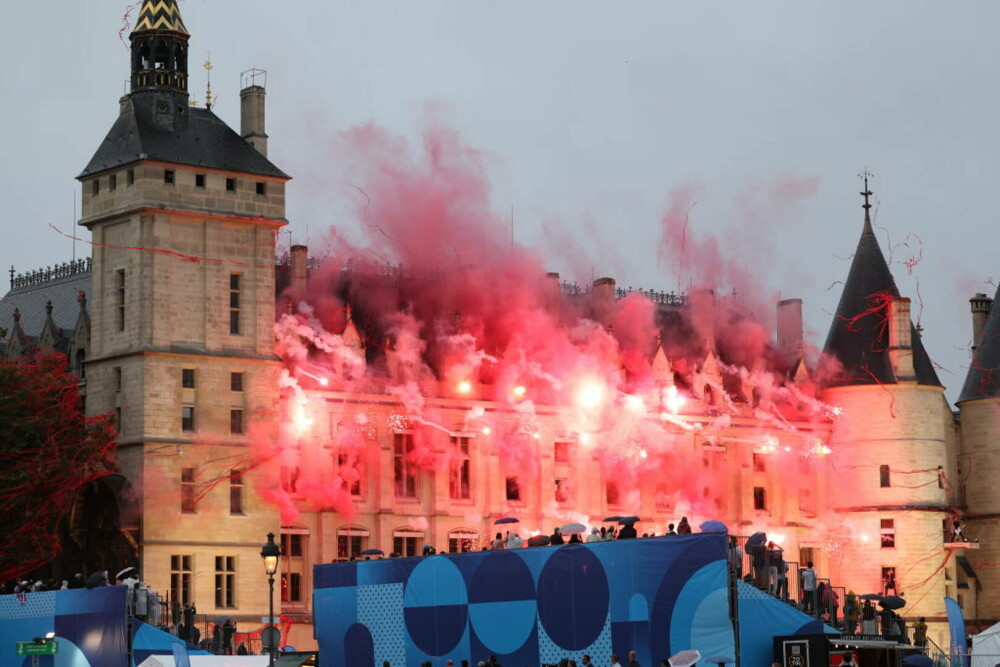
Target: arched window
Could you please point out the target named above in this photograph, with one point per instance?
(462, 540)
(143, 56)
(351, 541)
(161, 58)
(407, 542)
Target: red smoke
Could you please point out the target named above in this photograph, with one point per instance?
(448, 308)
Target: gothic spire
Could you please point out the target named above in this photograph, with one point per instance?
(160, 16)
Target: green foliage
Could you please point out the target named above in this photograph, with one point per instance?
(51, 451)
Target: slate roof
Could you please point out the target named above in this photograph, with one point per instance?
(206, 142)
(31, 300)
(983, 379)
(859, 334)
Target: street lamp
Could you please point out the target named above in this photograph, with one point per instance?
(270, 553)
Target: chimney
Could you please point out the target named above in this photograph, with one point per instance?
(551, 292)
(300, 270)
(252, 94)
(790, 329)
(980, 311)
(900, 340)
(602, 298)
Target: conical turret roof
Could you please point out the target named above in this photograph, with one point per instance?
(859, 334)
(160, 15)
(983, 379)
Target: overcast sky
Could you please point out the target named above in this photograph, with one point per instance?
(590, 114)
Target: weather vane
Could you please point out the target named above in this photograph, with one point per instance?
(208, 85)
(867, 193)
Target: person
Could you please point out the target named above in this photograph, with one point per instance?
(627, 532)
(449, 663)
(228, 630)
(557, 537)
(575, 539)
(735, 557)
(920, 632)
(514, 541)
(498, 544)
(847, 660)
(889, 581)
(956, 531)
(670, 529)
(807, 582)
(775, 562)
(594, 537)
(869, 620)
(632, 662)
(851, 612)
(585, 660)
(604, 534)
(684, 528)
(614, 660)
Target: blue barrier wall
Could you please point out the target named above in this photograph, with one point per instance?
(531, 606)
(89, 625)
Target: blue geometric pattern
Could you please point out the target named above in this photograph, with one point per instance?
(380, 609)
(89, 625)
(656, 596)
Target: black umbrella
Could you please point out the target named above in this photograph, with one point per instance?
(539, 541)
(719, 660)
(222, 620)
(615, 519)
(96, 579)
(757, 540)
(507, 519)
(372, 552)
(918, 660)
(626, 520)
(892, 602)
(870, 596)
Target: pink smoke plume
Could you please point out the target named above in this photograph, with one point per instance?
(436, 304)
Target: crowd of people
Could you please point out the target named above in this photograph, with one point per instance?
(585, 661)
(603, 534)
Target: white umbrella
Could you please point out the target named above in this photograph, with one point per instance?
(573, 529)
(685, 658)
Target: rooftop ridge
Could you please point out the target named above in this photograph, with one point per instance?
(49, 274)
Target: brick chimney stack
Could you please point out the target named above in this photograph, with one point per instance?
(252, 95)
(790, 329)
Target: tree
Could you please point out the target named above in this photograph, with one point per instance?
(50, 452)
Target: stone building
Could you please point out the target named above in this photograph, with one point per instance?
(171, 327)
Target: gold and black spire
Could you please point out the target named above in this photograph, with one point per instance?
(160, 54)
(160, 15)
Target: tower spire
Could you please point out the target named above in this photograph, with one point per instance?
(159, 50)
(867, 205)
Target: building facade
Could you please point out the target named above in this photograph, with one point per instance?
(243, 409)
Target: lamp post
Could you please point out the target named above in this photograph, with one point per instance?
(270, 553)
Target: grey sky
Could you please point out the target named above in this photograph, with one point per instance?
(590, 113)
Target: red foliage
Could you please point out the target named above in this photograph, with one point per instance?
(51, 451)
